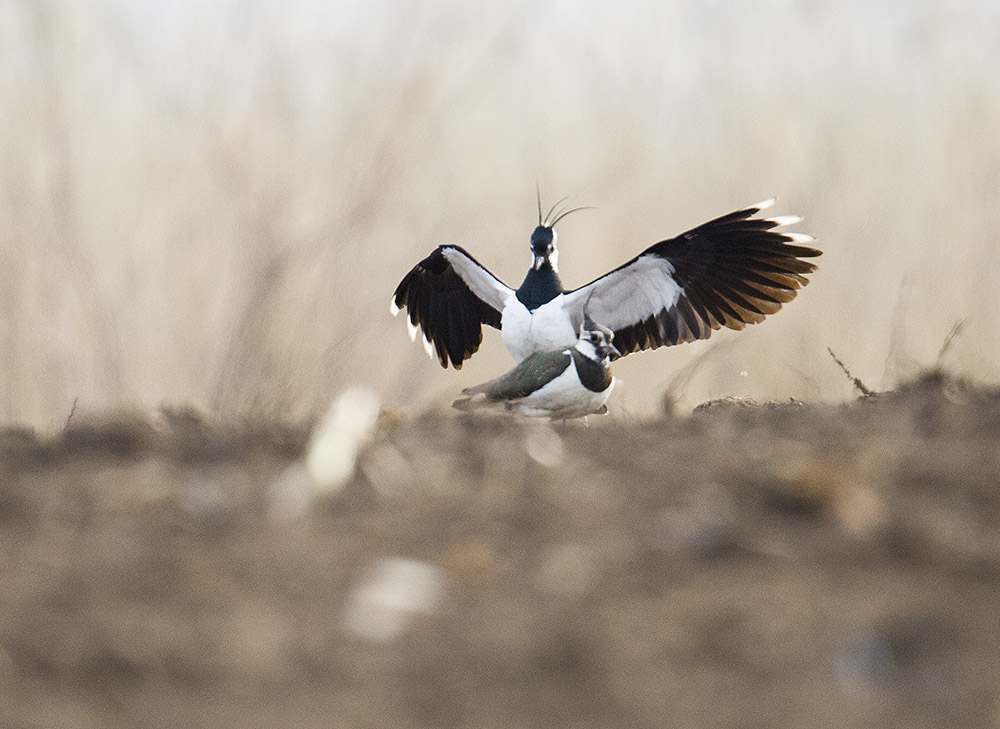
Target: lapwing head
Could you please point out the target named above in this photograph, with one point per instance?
(543, 248)
(598, 338)
(543, 238)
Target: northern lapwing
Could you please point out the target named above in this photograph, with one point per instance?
(729, 272)
(560, 384)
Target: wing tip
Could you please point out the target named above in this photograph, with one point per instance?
(393, 307)
(798, 238)
(763, 205)
(781, 221)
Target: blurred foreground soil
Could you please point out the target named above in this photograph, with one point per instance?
(742, 566)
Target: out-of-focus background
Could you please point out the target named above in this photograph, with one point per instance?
(204, 209)
(210, 203)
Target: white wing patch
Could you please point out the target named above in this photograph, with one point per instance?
(487, 287)
(629, 295)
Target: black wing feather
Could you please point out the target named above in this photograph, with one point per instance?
(733, 271)
(439, 302)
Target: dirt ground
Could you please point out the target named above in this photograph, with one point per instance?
(741, 566)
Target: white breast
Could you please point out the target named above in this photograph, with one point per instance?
(525, 332)
(564, 397)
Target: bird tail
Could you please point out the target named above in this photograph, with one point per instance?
(476, 397)
(470, 400)
(463, 403)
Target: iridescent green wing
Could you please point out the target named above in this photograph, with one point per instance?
(532, 374)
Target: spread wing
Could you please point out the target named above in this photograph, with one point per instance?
(728, 272)
(450, 296)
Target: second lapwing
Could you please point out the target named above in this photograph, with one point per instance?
(559, 384)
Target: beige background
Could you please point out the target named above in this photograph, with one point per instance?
(211, 205)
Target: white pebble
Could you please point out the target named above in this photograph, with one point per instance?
(391, 594)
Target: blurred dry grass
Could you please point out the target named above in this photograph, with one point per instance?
(211, 204)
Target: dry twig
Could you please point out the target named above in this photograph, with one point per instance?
(856, 381)
(948, 341)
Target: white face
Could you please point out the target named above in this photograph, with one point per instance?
(593, 344)
(586, 347)
(596, 344)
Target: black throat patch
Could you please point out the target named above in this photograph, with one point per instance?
(595, 376)
(539, 287)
